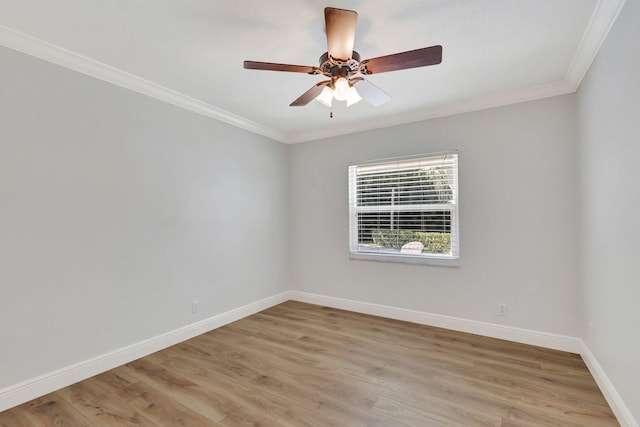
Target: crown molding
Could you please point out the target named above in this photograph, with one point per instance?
(601, 22)
(604, 16)
(24, 43)
(476, 104)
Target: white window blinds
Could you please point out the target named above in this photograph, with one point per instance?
(405, 207)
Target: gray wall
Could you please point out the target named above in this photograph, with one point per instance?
(609, 117)
(117, 210)
(518, 218)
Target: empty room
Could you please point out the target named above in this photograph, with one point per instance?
(303, 213)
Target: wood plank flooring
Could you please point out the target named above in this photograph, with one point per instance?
(298, 364)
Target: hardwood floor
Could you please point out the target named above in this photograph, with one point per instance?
(298, 364)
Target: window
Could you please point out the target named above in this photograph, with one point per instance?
(405, 209)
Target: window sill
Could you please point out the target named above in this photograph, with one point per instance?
(443, 261)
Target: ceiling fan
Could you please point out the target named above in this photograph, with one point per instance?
(341, 64)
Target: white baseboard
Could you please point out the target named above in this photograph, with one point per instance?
(619, 408)
(25, 391)
(510, 333)
(30, 389)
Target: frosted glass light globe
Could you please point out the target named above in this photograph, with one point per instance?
(341, 89)
(326, 96)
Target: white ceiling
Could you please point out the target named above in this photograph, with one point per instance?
(190, 53)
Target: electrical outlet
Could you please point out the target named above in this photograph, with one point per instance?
(195, 306)
(502, 309)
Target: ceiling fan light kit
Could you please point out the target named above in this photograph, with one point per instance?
(341, 90)
(341, 64)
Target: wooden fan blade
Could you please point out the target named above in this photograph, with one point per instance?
(341, 32)
(309, 95)
(270, 66)
(370, 92)
(404, 60)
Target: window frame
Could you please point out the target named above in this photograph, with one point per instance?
(447, 260)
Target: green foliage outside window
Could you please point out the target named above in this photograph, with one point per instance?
(435, 243)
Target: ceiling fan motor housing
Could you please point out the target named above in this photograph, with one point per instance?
(329, 64)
